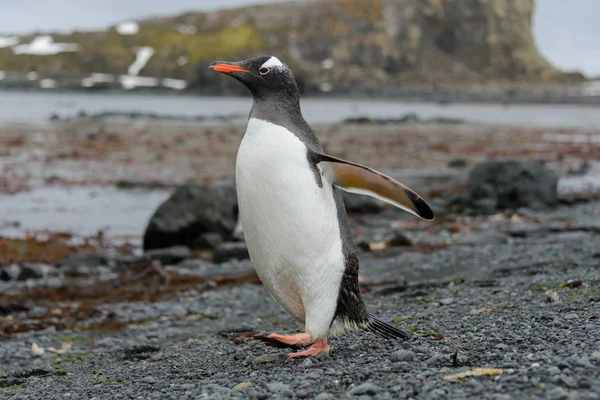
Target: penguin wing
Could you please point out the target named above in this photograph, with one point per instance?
(356, 178)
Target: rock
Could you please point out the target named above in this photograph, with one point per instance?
(281, 389)
(596, 355)
(82, 260)
(511, 184)
(29, 272)
(308, 363)
(149, 379)
(190, 212)
(447, 301)
(5, 276)
(169, 255)
(264, 359)
(571, 316)
(229, 251)
(557, 393)
(366, 388)
(585, 362)
(457, 163)
(553, 371)
(209, 240)
(376, 241)
(242, 385)
(402, 355)
(434, 360)
(325, 396)
(301, 394)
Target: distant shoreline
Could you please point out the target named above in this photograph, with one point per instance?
(407, 95)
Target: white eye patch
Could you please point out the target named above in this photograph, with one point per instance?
(273, 63)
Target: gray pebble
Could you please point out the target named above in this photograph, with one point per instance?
(264, 359)
(325, 396)
(280, 388)
(558, 393)
(571, 316)
(447, 301)
(301, 394)
(402, 355)
(308, 363)
(434, 360)
(365, 388)
(149, 379)
(585, 362)
(553, 371)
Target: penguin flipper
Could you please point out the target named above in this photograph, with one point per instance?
(356, 178)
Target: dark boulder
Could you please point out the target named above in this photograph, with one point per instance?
(231, 251)
(511, 184)
(193, 210)
(170, 255)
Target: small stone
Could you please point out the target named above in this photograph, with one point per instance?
(434, 360)
(187, 386)
(535, 365)
(584, 384)
(365, 388)
(563, 365)
(557, 393)
(242, 385)
(280, 388)
(28, 272)
(553, 371)
(596, 355)
(308, 363)
(230, 251)
(421, 350)
(501, 346)
(568, 381)
(571, 316)
(402, 355)
(475, 385)
(325, 396)
(447, 301)
(301, 394)
(322, 355)
(264, 359)
(585, 362)
(149, 379)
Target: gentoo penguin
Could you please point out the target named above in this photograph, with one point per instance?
(292, 213)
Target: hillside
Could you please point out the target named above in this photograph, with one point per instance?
(331, 44)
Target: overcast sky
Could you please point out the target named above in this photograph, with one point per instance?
(567, 32)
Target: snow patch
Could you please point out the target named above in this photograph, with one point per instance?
(591, 88)
(128, 28)
(177, 84)
(43, 46)
(130, 82)
(141, 59)
(328, 63)
(47, 84)
(8, 41)
(32, 76)
(182, 60)
(326, 87)
(2, 75)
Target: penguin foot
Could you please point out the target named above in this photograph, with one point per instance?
(275, 339)
(320, 346)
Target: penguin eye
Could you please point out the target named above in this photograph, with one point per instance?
(264, 70)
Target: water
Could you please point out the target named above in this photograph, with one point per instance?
(36, 107)
(121, 214)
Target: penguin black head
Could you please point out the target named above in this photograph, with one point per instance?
(265, 76)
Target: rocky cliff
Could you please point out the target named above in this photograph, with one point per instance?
(331, 44)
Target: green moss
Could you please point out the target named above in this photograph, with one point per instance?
(15, 387)
(62, 372)
(200, 317)
(2, 376)
(412, 329)
(108, 381)
(56, 362)
(400, 319)
(70, 338)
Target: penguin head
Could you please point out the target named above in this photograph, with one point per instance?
(265, 76)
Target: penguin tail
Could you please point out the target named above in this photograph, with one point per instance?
(383, 329)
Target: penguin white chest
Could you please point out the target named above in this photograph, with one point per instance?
(290, 223)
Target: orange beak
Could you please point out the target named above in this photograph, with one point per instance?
(227, 68)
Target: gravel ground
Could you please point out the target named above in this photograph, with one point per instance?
(519, 296)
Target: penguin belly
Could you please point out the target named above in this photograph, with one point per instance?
(290, 224)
